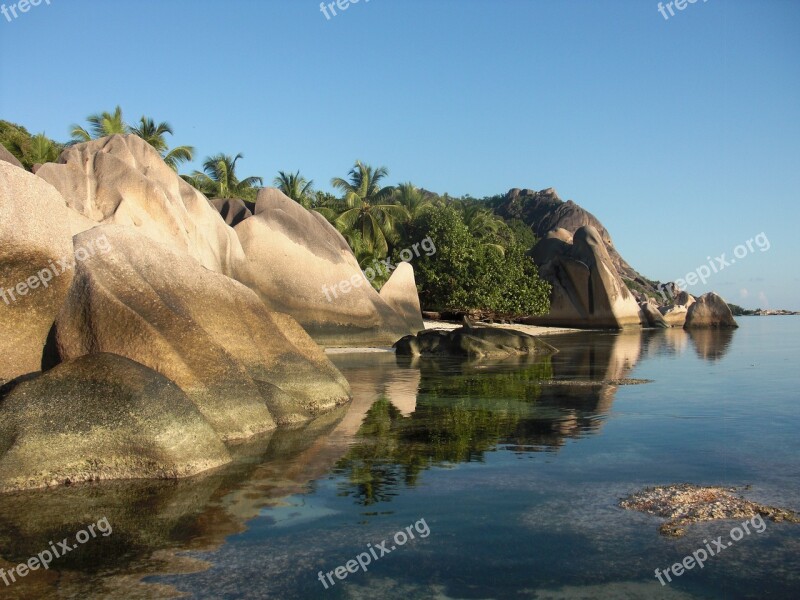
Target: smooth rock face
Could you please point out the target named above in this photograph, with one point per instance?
(244, 367)
(472, 342)
(587, 291)
(34, 237)
(653, 316)
(400, 293)
(122, 180)
(674, 316)
(102, 417)
(710, 311)
(303, 267)
(233, 211)
(545, 212)
(7, 157)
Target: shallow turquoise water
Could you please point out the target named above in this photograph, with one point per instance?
(517, 482)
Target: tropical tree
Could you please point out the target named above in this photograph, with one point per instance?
(366, 208)
(482, 225)
(155, 136)
(296, 187)
(100, 125)
(218, 179)
(412, 199)
(37, 149)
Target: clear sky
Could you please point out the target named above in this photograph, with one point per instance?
(680, 134)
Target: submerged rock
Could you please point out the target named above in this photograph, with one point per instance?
(472, 342)
(102, 417)
(684, 504)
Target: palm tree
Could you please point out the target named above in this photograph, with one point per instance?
(39, 149)
(155, 136)
(366, 209)
(411, 198)
(100, 125)
(296, 187)
(218, 179)
(483, 225)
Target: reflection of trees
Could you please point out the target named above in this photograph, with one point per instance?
(463, 412)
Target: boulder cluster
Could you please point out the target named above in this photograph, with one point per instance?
(144, 327)
(589, 290)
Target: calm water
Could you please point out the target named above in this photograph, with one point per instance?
(516, 483)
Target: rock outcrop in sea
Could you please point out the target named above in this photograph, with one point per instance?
(144, 332)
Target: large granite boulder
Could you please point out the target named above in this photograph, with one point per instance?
(653, 315)
(302, 266)
(472, 342)
(36, 267)
(233, 210)
(102, 417)
(7, 157)
(710, 311)
(544, 212)
(587, 290)
(122, 180)
(246, 368)
(400, 293)
(674, 316)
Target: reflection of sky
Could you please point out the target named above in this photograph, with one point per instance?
(523, 524)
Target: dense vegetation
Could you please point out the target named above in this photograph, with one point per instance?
(479, 263)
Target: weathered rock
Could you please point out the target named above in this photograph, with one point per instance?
(35, 242)
(303, 267)
(685, 299)
(472, 342)
(7, 157)
(400, 293)
(652, 315)
(102, 417)
(234, 211)
(709, 311)
(122, 180)
(243, 366)
(545, 212)
(587, 291)
(674, 316)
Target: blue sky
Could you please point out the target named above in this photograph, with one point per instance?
(681, 135)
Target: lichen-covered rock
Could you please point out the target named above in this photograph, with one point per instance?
(36, 260)
(472, 342)
(102, 417)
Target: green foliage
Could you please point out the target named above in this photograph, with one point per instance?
(218, 179)
(467, 272)
(296, 187)
(28, 149)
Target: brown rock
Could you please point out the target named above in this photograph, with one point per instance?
(400, 293)
(243, 366)
(6, 156)
(34, 237)
(102, 417)
(710, 311)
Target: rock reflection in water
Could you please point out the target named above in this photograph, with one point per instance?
(404, 419)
